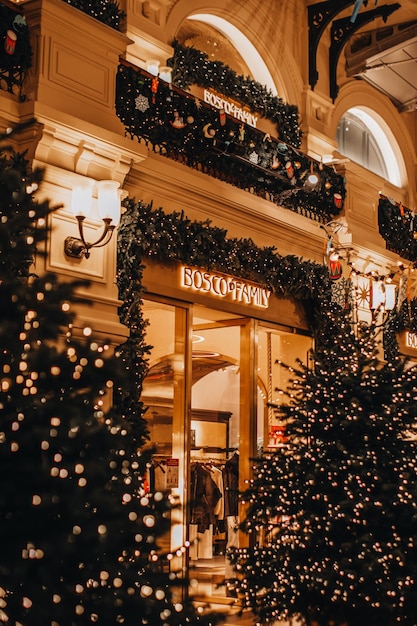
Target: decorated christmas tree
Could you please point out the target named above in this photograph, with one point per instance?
(79, 527)
(332, 514)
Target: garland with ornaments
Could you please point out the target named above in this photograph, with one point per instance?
(15, 49)
(106, 11)
(398, 226)
(180, 126)
(148, 233)
(191, 66)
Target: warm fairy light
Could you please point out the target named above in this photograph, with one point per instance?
(149, 521)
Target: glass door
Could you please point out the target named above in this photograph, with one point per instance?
(213, 402)
(164, 396)
(219, 423)
(275, 347)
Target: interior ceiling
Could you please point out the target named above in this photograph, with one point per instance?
(208, 39)
(386, 58)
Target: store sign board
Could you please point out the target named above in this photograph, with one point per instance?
(407, 341)
(224, 287)
(230, 108)
(411, 340)
(172, 473)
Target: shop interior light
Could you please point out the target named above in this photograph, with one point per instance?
(108, 206)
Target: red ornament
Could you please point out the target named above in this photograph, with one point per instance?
(335, 269)
(290, 169)
(154, 88)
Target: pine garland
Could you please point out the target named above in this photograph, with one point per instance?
(190, 66)
(105, 11)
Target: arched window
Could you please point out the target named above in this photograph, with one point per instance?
(362, 138)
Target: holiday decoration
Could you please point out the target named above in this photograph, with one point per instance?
(106, 11)
(178, 121)
(80, 528)
(141, 103)
(15, 49)
(331, 513)
(397, 226)
(335, 268)
(191, 66)
(154, 88)
(145, 232)
(218, 145)
(10, 42)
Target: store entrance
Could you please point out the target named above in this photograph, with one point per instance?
(213, 403)
(217, 398)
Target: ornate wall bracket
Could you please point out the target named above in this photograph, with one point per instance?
(319, 17)
(342, 30)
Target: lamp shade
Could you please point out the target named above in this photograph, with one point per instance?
(82, 192)
(152, 66)
(108, 196)
(165, 73)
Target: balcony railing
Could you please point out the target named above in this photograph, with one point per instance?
(15, 49)
(182, 127)
(398, 227)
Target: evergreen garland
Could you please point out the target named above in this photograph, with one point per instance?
(180, 127)
(190, 66)
(105, 11)
(147, 233)
(397, 226)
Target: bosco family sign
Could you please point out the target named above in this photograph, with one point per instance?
(226, 287)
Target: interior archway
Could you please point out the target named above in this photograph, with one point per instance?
(222, 41)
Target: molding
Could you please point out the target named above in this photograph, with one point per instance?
(63, 147)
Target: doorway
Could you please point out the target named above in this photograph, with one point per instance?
(214, 402)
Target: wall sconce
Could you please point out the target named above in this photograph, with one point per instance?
(152, 66)
(165, 73)
(108, 204)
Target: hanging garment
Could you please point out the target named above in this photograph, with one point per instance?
(204, 497)
(231, 486)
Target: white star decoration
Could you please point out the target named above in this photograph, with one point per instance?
(141, 103)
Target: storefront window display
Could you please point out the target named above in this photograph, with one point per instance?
(213, 405)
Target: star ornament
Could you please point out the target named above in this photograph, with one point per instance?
(141, 103)
(363, 292)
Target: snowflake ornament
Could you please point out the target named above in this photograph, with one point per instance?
(141, 103)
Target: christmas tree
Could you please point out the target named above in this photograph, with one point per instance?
(332, 514)
(79, 526)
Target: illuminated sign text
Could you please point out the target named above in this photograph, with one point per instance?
(228, 287)
(411, 340)
(230, 108)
